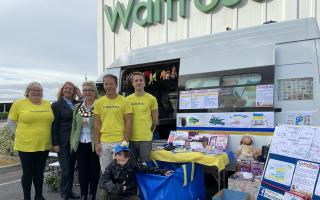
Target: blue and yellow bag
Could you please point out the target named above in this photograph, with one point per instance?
(187, 182)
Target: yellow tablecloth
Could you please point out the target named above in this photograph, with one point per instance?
(219, 161)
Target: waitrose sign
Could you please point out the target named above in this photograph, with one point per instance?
(149, 12)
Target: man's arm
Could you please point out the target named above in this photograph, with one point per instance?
(155, 116)
(97, 134)
(128, 126)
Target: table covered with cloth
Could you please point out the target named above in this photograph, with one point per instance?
(218, 161)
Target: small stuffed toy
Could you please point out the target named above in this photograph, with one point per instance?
(174, 72)
(150, 79)
(246, 151)
(167, 75)
(163, 75)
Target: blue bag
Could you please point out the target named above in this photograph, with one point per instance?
(187, 183)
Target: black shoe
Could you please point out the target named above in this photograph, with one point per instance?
(84, 197)
(73, 195)
(92, 197)
(39, 198)
(64, 196)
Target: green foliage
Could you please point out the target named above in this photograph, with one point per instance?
(52, 180)
(6, 142)
(3, 115)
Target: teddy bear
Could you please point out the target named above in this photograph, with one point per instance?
(246, 151)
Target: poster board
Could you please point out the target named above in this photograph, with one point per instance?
(292, 169)
(226, 121)
(229, 97)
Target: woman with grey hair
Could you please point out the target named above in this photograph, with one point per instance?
(83, 142)
(30, 119)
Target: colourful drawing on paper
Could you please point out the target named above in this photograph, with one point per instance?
(279, 172)
(238, 120)
(216, 119)
(262, 120)
(191, 119)
(304, 118)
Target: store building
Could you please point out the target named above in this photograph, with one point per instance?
(172, 20)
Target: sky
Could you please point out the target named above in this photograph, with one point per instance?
(49, 41)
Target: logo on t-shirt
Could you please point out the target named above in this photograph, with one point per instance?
(39, 111)
(137, 103)
(111, 106)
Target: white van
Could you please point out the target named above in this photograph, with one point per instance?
(236, 82)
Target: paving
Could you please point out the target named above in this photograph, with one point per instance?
(2, 123)
(10, 185)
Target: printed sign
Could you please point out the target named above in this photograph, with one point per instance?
(292, 168)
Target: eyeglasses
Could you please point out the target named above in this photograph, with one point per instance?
(35, 90)
(88, 90)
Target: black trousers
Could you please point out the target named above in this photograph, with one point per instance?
(89, 169)
(67, 164)
(33, 164)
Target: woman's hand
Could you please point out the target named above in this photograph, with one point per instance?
(56, 148)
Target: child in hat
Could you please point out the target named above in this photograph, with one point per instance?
(119, 181)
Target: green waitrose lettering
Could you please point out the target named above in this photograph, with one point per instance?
(149, 12)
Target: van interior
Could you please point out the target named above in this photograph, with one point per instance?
(162, 82)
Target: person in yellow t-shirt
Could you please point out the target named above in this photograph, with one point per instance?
(31, 119)
(145, 118)
(112, 121)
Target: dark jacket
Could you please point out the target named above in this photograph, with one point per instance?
(61, 126)
(115, 177)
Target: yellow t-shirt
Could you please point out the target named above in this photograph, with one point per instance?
(34, 123)
(142, 116)
(112, 115)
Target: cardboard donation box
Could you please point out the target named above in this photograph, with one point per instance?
(227, 194)
(249, 186)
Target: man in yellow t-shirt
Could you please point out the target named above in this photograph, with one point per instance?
(145, 118)
(112, 121)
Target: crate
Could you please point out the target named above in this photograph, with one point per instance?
(248, 186)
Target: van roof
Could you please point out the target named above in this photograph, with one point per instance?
(261, 35)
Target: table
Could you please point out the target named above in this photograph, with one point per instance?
(217, 161)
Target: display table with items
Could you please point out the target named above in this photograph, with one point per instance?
(207, 150)
(219, 161)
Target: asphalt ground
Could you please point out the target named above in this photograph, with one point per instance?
(10, 185)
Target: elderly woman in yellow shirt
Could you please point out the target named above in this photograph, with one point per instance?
(31, 119)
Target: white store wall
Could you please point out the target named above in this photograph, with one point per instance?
(248, 13)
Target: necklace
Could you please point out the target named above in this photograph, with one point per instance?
(84, 113)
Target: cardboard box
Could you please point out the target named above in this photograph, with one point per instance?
(248, 186)
(227, 194)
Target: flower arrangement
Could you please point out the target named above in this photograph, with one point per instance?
(53, 181)
(6, 142)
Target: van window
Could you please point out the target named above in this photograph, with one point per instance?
(202, 82)
(295, 89)
(242, 79)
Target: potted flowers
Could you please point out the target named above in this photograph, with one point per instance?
(52, 181)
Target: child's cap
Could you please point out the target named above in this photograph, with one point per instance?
(118, 148)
